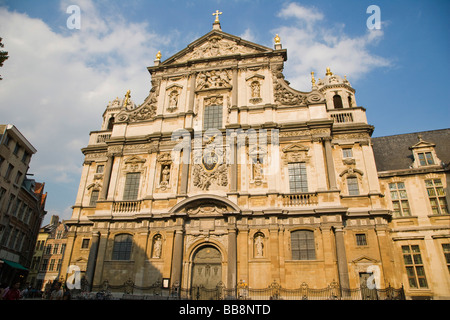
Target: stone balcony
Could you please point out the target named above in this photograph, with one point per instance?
(99, 137)
(348, 115)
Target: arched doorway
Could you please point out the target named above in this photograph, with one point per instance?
(206, 267)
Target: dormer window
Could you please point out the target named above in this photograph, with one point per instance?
(425, 158)
(424, 154)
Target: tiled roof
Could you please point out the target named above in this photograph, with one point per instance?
(393, 153)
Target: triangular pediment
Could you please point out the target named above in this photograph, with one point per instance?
(365, 259)
(215, 44)
(295, 148)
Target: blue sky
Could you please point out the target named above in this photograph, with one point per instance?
(57, 81)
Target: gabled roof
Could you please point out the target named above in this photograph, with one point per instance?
(214, 44)
(394, 152)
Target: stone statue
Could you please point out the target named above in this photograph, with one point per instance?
(257, 170)
(157, 247)
(165, 175)
(259, 245)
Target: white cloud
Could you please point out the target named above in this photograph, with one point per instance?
(56, 84)
(313, 46)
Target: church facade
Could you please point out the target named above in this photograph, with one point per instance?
(227, 175)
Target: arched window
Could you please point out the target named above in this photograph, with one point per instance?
(122, 247)
(111, 123)
(337, 102)
(302, 245)
(350, 102)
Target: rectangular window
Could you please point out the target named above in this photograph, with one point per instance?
(48, 249)
(85, 244)
(16, 149)
(446, 249)
(52, 265)
(55, 248)
(18, 177)
(399, 199)
(436, 194)
(63, 248)
(361, 239)
(100, 168)
(132, 186)
(298, 181)
(425, 158)
(352, 184)
(94, 198)
(414, 266)
(212, 117)
(44, 265)
(9, 171)
(347, 153)
(303, 245)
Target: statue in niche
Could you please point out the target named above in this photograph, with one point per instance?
(165, 174)
(157, 245)
(256, 92)
(256, 89)
(257, 170)
(259, 245)
(173, 101)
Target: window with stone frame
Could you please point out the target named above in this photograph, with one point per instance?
(446, 249)
(415, 271)
(303, 245)
(131, 190)
(212, 117)
(122, 247)
(298, 181)
(361, 239)
(399, 199)
(425, 158)
(94, 198)
(436, 195)
(352, 186)
(347, 153)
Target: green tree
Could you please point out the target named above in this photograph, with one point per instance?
(3, 55)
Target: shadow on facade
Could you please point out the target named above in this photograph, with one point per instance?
(119, 271)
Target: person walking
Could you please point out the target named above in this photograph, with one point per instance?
(13, 292)
(58, 293)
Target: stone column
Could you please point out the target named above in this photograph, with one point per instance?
(177, 258)
(90, 269)
(106, 178)
(331, 174)
(233, 156)
(341, 258)
(232, 259)
(234, 92)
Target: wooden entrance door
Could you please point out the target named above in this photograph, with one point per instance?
(207, 268)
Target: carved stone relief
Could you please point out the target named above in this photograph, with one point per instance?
(214, 79)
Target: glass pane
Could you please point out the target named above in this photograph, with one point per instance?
(429, 183)
(401, 185)
(417, 259)
(410, 271)
(440, 191)
(407, 259)
(429, 158)
(405, 249)
(394, 195)
(403, 194)
(423, 283)
(437, 182)
(415, 248)
(392, 186)
(431, 192)
(412, 283)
